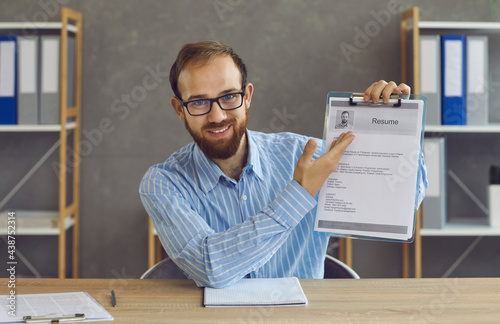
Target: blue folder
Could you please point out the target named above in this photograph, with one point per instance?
(453, 70)
(8, 80)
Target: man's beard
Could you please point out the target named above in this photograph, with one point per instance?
(220, 149)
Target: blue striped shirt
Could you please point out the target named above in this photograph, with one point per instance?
(219, 230)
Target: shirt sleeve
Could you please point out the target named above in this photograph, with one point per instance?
(219, 259)
(422, 182)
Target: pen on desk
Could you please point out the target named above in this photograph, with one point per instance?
(113, 298)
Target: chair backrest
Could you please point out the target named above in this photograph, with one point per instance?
(165, 269)
(335, 268)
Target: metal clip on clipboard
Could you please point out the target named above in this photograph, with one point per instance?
(54, 319)
(397, 97)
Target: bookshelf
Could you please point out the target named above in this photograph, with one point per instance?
(37, 25)
(462, 228)
(36, 128)
(410, 22)
(458, 25)
(491, 128)
(55, 222)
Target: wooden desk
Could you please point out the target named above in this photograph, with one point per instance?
(330, 301)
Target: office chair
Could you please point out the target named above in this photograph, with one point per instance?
(335, 268)
(167, 269)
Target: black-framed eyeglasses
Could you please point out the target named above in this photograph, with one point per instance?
(228, 101)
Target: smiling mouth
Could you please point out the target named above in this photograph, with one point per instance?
(220, 130)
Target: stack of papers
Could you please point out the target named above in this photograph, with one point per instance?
(257, 292)
(53, 305)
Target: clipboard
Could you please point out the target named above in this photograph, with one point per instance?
(54, 319)
(76, 307)
(373, 193)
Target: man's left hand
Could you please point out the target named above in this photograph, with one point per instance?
(384, 89)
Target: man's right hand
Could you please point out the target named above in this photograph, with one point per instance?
(311, 174)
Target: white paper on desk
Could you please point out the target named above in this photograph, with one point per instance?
(55, 304)
(372, 192)
(257, 292)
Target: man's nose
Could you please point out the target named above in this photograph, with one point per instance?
(216, 114)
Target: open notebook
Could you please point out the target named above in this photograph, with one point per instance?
(257, 292)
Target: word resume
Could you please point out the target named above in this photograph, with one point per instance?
(372, 194)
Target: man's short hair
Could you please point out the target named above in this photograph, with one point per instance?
(345, 112)
(203, 52)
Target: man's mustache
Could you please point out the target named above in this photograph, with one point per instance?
(217, 125)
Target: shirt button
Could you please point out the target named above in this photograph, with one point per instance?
(244, 197)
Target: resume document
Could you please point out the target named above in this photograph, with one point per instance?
(372, 192)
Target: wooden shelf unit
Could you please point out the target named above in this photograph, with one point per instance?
(456, 228)
(68, 215)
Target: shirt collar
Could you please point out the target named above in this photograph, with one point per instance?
(254, 156)
(210, 174)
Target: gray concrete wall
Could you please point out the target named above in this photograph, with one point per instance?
(294, 56)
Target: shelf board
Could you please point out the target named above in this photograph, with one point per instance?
(491, 128)
(462, 229)
(35, 25)
(459, 25)
(43, 222)
(35, 128)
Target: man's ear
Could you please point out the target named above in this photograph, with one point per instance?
(178, 107)
(248, 94)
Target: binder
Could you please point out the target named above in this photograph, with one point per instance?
(8, 80)
(434, 204)
(494, 196)
(28, 80)
(477, 80)
(453, 79)
(49, 93)
(430, 76)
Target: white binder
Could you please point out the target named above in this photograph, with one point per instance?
(477, 80)
(28, 80)
(430, 76)
(434, 204)
(49, 96)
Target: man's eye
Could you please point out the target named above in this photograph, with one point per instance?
(228, 97)
(199, 103)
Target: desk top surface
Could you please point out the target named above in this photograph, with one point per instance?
(464, 300)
